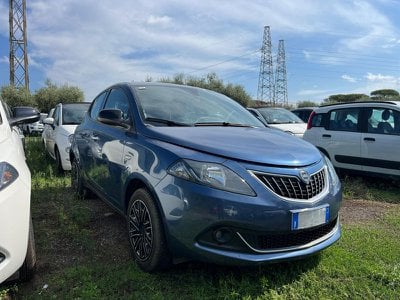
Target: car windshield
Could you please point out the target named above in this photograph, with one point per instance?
(279, 116)
(72, 114)
(170, 105)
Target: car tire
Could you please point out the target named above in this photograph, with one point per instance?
(58, 161)
(146, 233)
(28, 268)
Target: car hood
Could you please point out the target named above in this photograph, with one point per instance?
(295, 128)
(255, 145)
(67, 129)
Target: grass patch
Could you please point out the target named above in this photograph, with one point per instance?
(74, 262)
(373, 189)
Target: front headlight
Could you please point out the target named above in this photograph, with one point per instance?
(211, 174)
(332, 172)
(8, 174)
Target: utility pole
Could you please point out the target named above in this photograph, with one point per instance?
(18, 45)
(266, 77)
(281, 92)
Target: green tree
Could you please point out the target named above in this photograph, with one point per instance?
(212, 82)
(345, 98)
(17, 96)
(50, 95)
(307, 103)
(385, 94)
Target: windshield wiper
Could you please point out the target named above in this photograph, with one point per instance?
(221, 124)
(167, 122)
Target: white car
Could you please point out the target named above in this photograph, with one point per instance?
(358, 136)
(58, 127)
(280, 118)
(17, 248)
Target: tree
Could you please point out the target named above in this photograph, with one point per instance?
(212, 82)
(385, 94)
(306, 104)
(17, 96)
(50, 95)
(345, 98)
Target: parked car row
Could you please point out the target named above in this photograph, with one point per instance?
(196, 175)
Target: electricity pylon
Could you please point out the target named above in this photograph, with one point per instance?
(18, 45)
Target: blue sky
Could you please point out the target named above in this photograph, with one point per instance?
(332, 47)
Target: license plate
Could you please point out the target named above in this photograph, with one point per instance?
(306, 218)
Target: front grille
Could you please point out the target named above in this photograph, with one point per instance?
(292, 187)
(271, 241)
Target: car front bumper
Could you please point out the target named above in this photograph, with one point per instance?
(197, 216)
(14, 227)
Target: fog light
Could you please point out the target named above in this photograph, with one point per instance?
(223, 235)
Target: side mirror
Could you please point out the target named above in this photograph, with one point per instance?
(24, 115)
(48, 121)
(112, 117)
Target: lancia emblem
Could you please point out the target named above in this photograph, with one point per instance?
(304, 176)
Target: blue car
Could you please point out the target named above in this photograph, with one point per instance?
(199, 177)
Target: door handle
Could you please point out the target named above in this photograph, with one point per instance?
(326, 135)
(369, 139)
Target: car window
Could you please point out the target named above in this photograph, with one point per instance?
(97, 105)
(317, 120)
(57, 115)
(344, 119)
(279, 116)
(118, 99)
(186, 105)
(383, 121)
(73, 114)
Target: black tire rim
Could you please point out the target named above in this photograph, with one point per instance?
(140, 230)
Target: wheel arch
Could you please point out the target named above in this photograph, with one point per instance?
(324, 152)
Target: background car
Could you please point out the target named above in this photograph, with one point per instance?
(303, 112)
(281, 118)
(17, 248)
(358, 136)
(198, 177)
(58, 128)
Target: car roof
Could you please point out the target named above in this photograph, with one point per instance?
(358, 104)
(304, 108)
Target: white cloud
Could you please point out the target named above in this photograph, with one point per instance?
(382, 79)
(154, 20)
(349, 78)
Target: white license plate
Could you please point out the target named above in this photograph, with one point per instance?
(306, 218)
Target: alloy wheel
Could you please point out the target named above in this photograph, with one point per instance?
(141, 230)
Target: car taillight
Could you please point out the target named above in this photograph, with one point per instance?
(309, 123)
(8, 174)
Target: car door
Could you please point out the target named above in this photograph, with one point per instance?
(51, 131)
(381, 141)
(342, 137)
(111, 140)
(87, 141)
